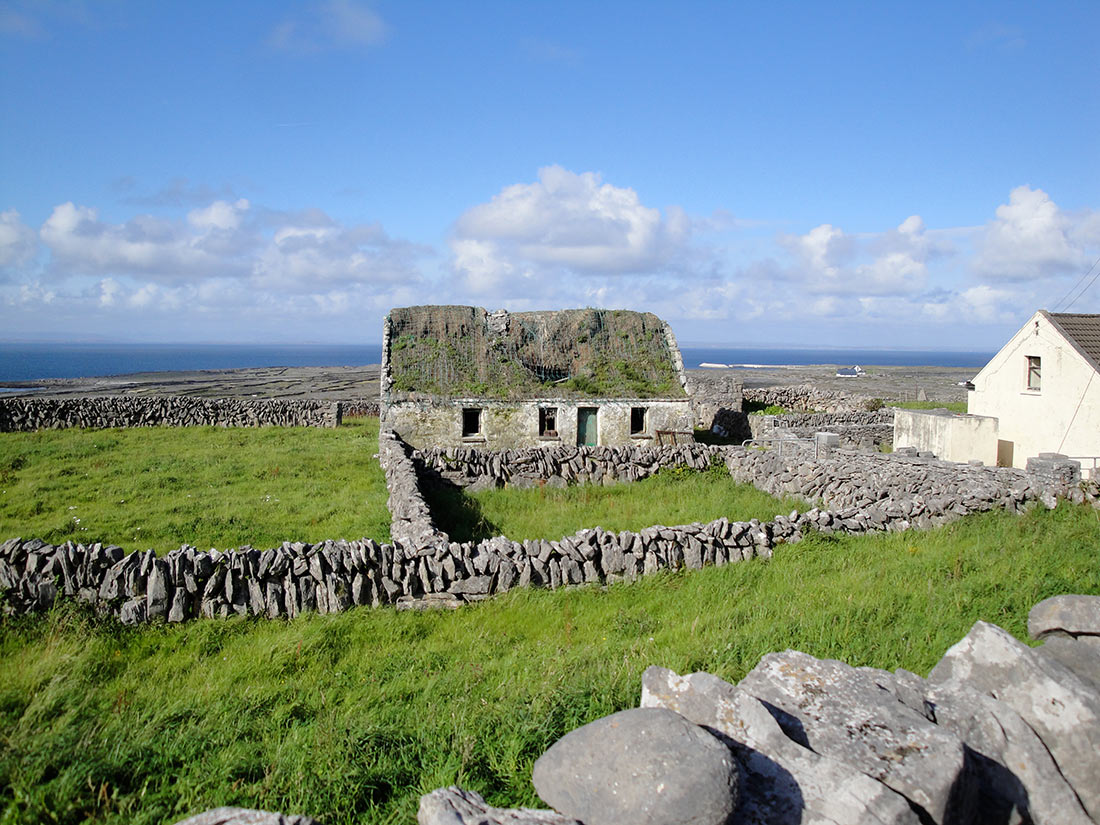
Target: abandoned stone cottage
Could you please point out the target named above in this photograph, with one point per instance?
(463, 376)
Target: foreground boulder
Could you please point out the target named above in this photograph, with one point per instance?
(839, 711)
(1070, 615)
(785, 783)
(1062, 708)
(454, 806)
(245, 816)
(998, 733)
(644, 766)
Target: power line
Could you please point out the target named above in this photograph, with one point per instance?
(1086, 289)
(1079, 282)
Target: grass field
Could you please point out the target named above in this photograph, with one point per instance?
(159, 487)
(673, 496)
(953, 406)
(351, 717)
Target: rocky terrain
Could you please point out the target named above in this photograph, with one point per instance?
(323, 383)
(345, 383)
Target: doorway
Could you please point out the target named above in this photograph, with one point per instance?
(586, 426)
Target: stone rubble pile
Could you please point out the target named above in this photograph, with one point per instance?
(859, 492)
(999, 732)
(29, 414)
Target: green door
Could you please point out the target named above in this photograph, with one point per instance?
(586, 426)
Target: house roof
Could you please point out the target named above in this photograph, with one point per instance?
(1081, 330)
(468, 352)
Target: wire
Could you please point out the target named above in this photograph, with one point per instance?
(1073, 288)
(1086, 289)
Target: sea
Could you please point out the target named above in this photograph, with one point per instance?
(32, 362)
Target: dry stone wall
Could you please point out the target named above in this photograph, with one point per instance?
(805, 397)
(856, 429)
(29, 414)
(854, 493)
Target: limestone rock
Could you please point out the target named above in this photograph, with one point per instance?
(1018, 778)
(1081, 655)
(245, 816)
(1060, 706)
(839, 711)
(454, 806)
(784, 783)
(1070, 614)
(644, 766)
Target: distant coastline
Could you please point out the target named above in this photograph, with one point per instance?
(32, 362)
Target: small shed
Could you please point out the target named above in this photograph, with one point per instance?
(464, 376)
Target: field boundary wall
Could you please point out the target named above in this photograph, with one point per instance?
(30, 414)
(852, 493)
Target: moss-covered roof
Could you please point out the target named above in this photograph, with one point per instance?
(464, 352)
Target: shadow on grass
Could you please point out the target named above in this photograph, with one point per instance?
(458, 514)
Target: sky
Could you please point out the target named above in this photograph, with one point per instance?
(773, 174)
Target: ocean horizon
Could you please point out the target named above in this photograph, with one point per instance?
(38, 361)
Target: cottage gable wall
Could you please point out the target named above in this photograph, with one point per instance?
(1062, 415)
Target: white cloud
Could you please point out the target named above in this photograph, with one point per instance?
(830, 261)
(330, 25)
(564, 222)
(18, 243)
(218, 215)
(1033, 238)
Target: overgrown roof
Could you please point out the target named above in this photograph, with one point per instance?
(467, 352)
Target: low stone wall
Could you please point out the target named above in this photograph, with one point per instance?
(411, 519)
(857, 493)
(856, 429)
(559, 465)
(805, 397)
(361, 408)
(29, 414)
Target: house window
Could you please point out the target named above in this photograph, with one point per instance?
(637, 420)
(1034, 373)
(548, 421)
(471, 421)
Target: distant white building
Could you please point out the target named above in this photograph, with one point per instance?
(1039, 394)
(850, 372)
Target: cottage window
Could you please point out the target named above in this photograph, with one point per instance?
(471, 421)
(1034, 373)
(637, 420)
(548, 421)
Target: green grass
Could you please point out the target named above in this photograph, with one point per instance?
(673, 496)
(351, 717)
(211, 487)
(954, 406)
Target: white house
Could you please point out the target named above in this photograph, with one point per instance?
(1043, 388)
(1039, 394)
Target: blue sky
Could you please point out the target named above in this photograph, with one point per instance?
(875, 174)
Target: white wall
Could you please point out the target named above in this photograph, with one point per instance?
(1063, 416)
(949, 436)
